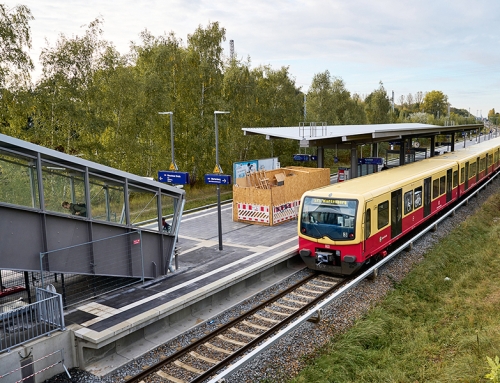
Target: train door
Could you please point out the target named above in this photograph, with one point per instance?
(477, 169)
(427, 196)
(449, 180)
(466, 186)
(367, 229)
(396, 213)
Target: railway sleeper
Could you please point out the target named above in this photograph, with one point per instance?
(247, 334)
(215, 348)
(164, 375)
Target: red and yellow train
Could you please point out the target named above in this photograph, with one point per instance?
(346, 225)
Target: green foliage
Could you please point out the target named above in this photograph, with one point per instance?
(15, 39)
(494, 374)
(377, 106)
(329, 101)
(435, 103)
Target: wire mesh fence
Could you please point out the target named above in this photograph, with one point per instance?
(19, 287)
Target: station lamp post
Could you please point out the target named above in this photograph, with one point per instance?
(219, 216)
(173, 164)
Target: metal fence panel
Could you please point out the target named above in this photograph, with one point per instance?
(31, 321)
(119, 255)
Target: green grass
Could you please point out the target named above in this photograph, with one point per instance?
(428, 329)
(206, 195)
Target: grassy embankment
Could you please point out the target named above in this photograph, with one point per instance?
(429, 329)
(196, 197)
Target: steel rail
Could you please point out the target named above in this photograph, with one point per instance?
(225, 327)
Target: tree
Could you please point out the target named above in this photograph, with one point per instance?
(65, 94)
(15, 38)
(377, 106)
(493, 116)
(329, 101)
(436, 103)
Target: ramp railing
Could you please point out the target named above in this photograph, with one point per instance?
(31, 321)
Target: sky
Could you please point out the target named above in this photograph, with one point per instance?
(410, 46)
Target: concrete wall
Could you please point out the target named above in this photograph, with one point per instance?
(38, 350)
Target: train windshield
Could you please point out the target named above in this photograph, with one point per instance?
(328, 217)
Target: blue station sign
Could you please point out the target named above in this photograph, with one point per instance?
(301, 157)
(171, 177)
(218, 179)
(371, 161)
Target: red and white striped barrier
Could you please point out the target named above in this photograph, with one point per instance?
(285, 212)
(253, 213)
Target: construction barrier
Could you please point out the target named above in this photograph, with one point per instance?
(285, 212)
(273, 197)
(253, 213)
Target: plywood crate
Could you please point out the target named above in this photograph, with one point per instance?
(272, 197)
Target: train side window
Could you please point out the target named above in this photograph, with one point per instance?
(418, 197)
(455, 178)
(383, 214)
(408, 201)
(435, 188)
(472, 170)
(482, 164)
(442, 185)
(462, 175)
(368, 223)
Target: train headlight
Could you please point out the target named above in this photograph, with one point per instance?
(337, 253)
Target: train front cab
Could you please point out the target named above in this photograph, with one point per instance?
(330, 234)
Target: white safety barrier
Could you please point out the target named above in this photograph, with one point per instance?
(285, 212)
(253, 213)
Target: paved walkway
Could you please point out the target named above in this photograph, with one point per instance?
(203, 269)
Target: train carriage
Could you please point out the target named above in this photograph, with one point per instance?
(346, 225)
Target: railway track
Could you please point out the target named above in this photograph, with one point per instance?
(205, 356)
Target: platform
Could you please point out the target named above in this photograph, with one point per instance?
(119, 327)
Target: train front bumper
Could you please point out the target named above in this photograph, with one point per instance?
(347, 266)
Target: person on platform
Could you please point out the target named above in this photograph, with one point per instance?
(75, 208)
(165, 225)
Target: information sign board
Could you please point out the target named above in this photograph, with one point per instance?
(218, 179)
(371, 161)
(301, 157)
(179, 178)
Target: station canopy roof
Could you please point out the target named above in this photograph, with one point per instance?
(320, 134)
